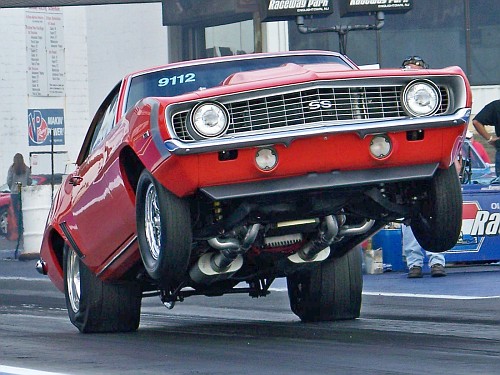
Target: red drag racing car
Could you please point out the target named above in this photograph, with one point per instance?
(198, 176)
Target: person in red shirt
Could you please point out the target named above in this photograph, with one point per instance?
(479, 148)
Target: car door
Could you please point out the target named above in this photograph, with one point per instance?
(94, 222)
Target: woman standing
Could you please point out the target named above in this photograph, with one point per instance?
(19, 174)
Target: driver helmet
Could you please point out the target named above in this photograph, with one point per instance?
(415, 60)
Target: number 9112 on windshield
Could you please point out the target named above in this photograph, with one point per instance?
(177, 80)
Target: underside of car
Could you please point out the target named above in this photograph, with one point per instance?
(199, 245)
(254, 239)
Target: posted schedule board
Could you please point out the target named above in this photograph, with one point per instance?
(45, 51)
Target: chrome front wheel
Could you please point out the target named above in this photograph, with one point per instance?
(152, 222)
(163, 231)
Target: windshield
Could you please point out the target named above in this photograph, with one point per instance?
(178, 81)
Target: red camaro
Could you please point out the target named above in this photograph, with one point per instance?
(198, 176)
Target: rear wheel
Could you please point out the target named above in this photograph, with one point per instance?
(163, 231)
(330, 291)
(438, 223)
(96, 306)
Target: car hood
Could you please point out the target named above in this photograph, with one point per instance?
(291, 74)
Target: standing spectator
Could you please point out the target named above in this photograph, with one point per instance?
(19, 174)
(411, 248)
(490, 116)
(414, 255)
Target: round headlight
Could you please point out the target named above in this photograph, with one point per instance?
(209, 120)
(421, 98)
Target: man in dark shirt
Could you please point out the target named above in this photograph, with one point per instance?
(490, 116)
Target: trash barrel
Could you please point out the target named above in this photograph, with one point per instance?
(36, 201)
(391, 242)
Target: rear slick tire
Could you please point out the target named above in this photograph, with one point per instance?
(330, 291)
(97, 306)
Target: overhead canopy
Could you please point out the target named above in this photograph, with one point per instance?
(57, 3)
(180, 12)
(207, 12)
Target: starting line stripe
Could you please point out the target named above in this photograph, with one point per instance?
(43, 279)
(8, 370)
(386, 294)
(435, 296)
(413, 295)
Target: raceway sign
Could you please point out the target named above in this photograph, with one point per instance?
(355, 7)
(45, 126)
(480, 234)
(486, 224)
(283, 10)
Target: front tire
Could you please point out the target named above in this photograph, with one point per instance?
(330, 291)
(438, 223)
(96, 306)
(163, 231)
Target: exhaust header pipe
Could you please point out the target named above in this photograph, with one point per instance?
(212, 267)
(326, 235)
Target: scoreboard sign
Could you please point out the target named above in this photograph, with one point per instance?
(356, 7)
(284, 10)
(60, 3)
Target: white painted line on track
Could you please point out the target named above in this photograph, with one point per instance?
(24, 278)
(435, 296)
(386, 294)
(413, 295)
(8, 370)
(278, 289)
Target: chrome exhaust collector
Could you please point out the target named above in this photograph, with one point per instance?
(223, 264)
(318, 248)
(352, 230)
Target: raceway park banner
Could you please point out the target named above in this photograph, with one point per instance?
(45, 126)
(480, 234)
(284, 10)
(357, 7)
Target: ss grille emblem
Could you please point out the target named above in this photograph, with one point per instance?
(320, 104)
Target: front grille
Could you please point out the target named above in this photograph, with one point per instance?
(309, 107)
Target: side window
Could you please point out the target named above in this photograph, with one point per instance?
(105, 124)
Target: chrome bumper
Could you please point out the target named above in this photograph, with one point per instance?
(361, 127)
